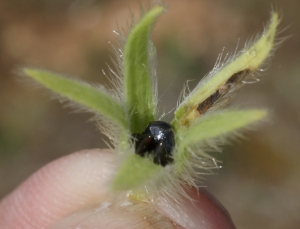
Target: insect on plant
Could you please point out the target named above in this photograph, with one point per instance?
(159, 158)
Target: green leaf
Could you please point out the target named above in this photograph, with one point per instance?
(134, 172)
(92, 98)
(139, 94)
(212, 126)
(248, 61)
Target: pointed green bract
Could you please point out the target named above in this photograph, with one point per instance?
(248, 61)
(212, 126)
(139, 94)
(134, 172)
(91, 98)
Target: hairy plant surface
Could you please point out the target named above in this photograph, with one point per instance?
(200, 124)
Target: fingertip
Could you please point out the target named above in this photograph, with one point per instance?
(81, 181)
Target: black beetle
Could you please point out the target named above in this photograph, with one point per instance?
(157, 139)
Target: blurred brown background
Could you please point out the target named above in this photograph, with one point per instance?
(260, 180)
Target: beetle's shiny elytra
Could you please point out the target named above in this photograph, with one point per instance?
(157, 139)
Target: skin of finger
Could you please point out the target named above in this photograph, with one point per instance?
(76, 183)
(58, 189)
(204, 213)
(112, 216)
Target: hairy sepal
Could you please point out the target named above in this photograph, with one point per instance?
(139, 92)
(247, 61)
(134, 172)
(213, 126)
(91, 98)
